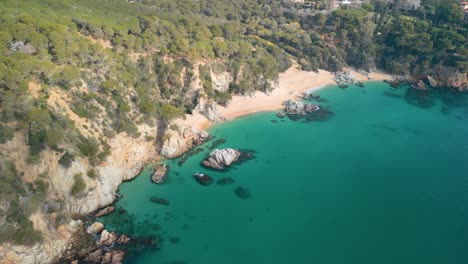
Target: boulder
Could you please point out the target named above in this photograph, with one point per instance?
(118, 256)
(293, 107)
(123, 239)
(344, 78)
(432, 82)
(172, 147)
(159, 200)
(95, 256)
(105, 211)
(419, 85)
(219, 159)
(159, 174)
(210, 111)
(281, 114)
(203, 179)
(107, 238)
(95, 228)
(23, 48)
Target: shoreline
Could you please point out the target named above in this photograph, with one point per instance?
(292, 83)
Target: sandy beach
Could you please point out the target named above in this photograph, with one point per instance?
(292, 83)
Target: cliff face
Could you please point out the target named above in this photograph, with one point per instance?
(127, 158)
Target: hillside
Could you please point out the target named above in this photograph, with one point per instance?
(89, 89)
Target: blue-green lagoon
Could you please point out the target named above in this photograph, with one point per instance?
(384, 179)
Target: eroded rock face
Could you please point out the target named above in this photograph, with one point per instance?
(107, 238)
(219, 159)
(159, 174)
(95, 228)
(171, 147)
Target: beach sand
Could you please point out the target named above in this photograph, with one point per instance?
(292, 83)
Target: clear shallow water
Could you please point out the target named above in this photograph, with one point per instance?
(385, 180)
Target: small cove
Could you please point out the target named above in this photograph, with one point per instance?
(381, 178)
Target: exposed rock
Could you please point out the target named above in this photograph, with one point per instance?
(159, 200)
(123, 239)
(210, 111)
(219, 159)
(396, 81)
(107, 238)
(344, 78)
(242, 193)
(95, 228)
(293, 107)
(419, 85)
(447, 77)
(172, 147)
(105, 211)
(22, 47)
(203, 179)
(159, 174)
(107, 258)
(201, 138)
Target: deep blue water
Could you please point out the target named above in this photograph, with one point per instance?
(382, 177)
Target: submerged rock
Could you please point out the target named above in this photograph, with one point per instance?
(225, 181)
(281, 114)
(159, 174)
(159, 200)
(219, 159)
(203, 179)
(242, 193)
(344, 78)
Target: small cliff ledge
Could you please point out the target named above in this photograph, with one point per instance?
(220, 159)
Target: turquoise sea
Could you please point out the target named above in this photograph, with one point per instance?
(382, 177)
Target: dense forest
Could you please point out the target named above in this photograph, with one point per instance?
(123, 63)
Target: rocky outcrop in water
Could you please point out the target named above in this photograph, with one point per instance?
(419, 85)
(105, 211)
(159, 173)
(293, 107)
(219, 159)
(396, 81)
(445, 77)
(344, 78)
(203, 179)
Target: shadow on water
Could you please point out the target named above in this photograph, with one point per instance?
(420, 98)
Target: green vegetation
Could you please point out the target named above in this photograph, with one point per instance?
(78, 185)
(120, 64)
(18, 201)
